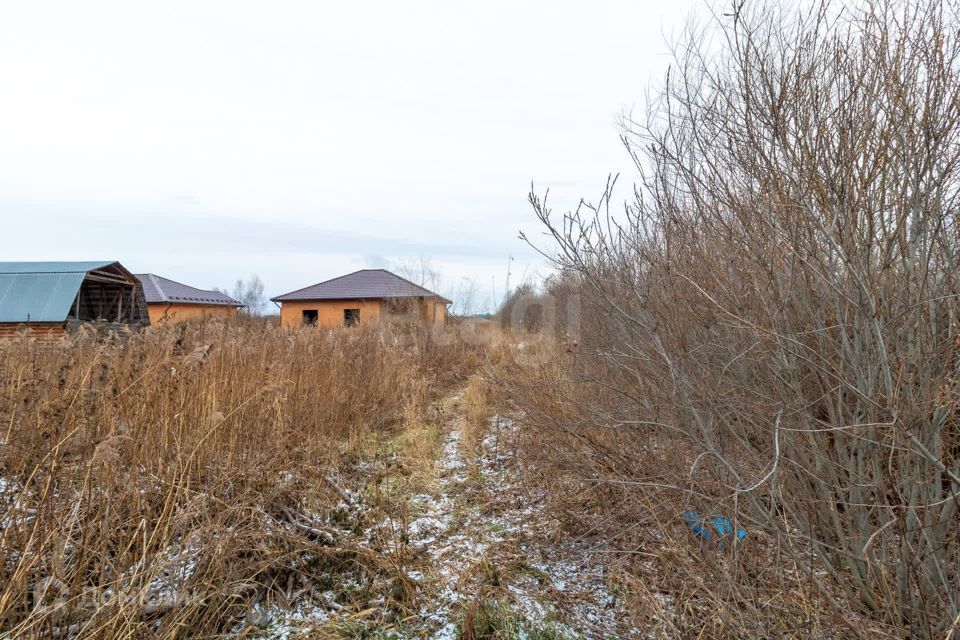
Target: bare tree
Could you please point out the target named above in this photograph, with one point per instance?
(465, 297)
(420, 271)
(250, 293)
(781, 298)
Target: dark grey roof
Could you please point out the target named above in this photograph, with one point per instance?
(158, 289)
(366, 284)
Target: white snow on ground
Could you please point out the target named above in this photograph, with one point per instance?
(480, 517)
(564, 585)
(13, 511)
(282, 624)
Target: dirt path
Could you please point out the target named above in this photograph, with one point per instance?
(490, 548)
(484, 555)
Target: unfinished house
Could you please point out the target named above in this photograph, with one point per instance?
(51, 298)
(170, 301)
(363, 297)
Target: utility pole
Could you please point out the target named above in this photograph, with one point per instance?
(506, 288)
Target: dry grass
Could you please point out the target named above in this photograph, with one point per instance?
(167, 480)
(476, 405)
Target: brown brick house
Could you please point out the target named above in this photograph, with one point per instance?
(172, 301)
(359, 298)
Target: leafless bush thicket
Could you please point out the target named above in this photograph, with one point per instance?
(779, 305)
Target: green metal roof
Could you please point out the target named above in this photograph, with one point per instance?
(41, 291)
(52, 267)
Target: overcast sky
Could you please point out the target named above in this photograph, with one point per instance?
(205, 141)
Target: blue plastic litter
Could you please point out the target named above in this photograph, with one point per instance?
(717, 528)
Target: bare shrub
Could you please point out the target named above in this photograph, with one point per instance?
(523, 310)
(769, 331)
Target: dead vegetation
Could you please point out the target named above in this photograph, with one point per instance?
(769, 331)
(184, 477)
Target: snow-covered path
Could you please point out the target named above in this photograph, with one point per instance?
(489, 541)
(476, 541)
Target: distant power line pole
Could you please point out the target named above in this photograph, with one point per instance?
(506, 287)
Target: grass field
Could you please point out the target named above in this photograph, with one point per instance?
(170, 479)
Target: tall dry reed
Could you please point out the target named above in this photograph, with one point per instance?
(166, 480)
